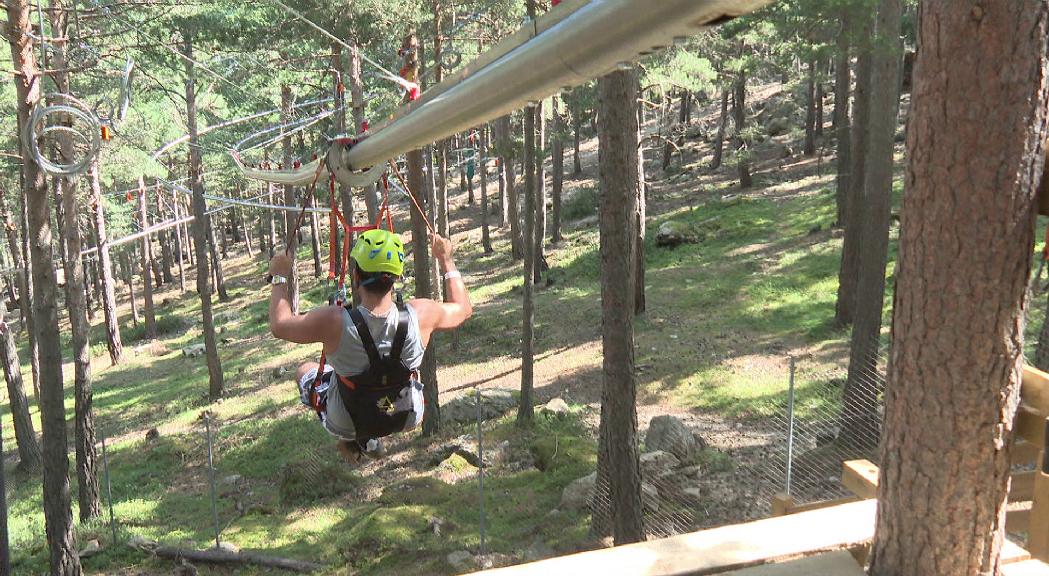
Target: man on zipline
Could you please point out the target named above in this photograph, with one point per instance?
(369, 386)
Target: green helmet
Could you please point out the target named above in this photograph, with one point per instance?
(379, 251)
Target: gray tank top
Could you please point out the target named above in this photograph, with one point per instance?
(350, 358)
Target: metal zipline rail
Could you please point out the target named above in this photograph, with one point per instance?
(570, 45)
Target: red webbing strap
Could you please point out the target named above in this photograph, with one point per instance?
(315, 401)
(333, 234)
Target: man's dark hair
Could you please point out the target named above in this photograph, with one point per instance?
(378, 283)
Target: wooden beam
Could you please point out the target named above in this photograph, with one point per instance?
(861, 477)
(1030, 425)
(1018, 520)
(1021, 486)
(782, 504)
(1038, 525)
(1023, 452)
(1034, 389)
(839, 563)
(720, 549)
(1013, 553)
(1028, 568)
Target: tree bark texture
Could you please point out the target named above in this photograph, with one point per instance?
(851, 246)
(975, 145)
(216, 262)
(618, 454)
(482, 168)
(539, 233)
(861, 423)
(810, 110)
(145, 256)
(105, 270)
(58, 517)
(719, 139)
(424, 282)
(842, 89)
(512, 212)
(290, 218)
(76, 302)
(29, 456)
(200, 223)
(558, 171)
(525, 408)
(739, 117)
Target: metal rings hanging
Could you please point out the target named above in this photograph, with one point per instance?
(57, 114)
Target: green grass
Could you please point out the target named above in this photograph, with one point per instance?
(722, 316)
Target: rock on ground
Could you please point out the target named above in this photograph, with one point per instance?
(461, 561)
(577, 494)
(670, 434)
(557, 406)
(672, 234)
(193, 350)
(655, 463)
(462, 410)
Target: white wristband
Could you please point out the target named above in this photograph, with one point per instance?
(452, 275)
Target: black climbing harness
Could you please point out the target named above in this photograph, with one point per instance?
(382, 400)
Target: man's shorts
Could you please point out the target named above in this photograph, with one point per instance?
(343, 433)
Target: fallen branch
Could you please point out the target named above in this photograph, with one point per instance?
(220, 556)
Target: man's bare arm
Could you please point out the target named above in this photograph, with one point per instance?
(456, 308)
(322, 325)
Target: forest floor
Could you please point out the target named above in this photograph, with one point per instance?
(724, 315)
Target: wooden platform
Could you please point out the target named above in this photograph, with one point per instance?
(839, 563)
(722, 549)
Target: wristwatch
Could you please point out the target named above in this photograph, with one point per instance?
(275, 280)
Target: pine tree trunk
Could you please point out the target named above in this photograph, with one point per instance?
(577, 128)
(165, 247)
(105, 270)
(845, 307)
(719, 140)
(524, 409)
(441, 150)
(739, 116)
(861, 425)
(179, 254)
(842, 81)
(818, 129)
(618, 453)
(503, 208)
(482, 167)
(76, 303)
(290, 218)
(558, 170)
(315, 246)
(200, 224)
(58, 517)
(371, 203)
(539, 257)
(29, 290)
(511, 189)
(28, 449)
(975, 149)
(424, 282)
(810, 110)
(145, 255)
(216, 262)
(640, 302)
(129, 279)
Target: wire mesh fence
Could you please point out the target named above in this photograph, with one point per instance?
(697, 472)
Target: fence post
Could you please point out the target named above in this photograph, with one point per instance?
(211, 477)
(790, 425)
(109, 487)
(480, 470)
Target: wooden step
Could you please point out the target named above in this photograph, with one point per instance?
(839, 563)
(719, 550)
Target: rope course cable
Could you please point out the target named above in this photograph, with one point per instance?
(57, 113)
(388, 75)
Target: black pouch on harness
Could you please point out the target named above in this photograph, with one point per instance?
(384, 399)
